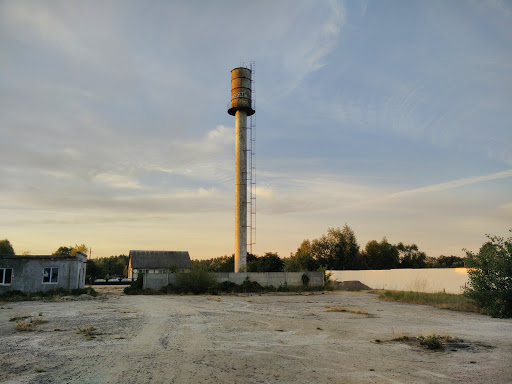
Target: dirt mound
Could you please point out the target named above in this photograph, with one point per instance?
(354, 285)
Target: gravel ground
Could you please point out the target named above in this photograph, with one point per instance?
(278, 338)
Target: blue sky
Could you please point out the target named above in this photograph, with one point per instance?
(391, 116)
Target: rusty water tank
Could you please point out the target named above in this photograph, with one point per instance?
(241, 91)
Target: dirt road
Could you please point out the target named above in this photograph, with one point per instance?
(247, 339)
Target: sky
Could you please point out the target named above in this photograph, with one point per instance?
(393, 117)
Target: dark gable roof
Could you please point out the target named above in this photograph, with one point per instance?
(159, 259)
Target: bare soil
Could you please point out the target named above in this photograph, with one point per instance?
(278, 338)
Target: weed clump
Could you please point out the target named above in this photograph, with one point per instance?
(25, 323)
(433, 341)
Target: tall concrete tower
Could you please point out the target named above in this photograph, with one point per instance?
(241, 107)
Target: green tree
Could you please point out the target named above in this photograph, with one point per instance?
(6, 248)
(63, 251)
(218, 264)
(445, 262)
(303, 260)
(490, 276)
(336, 250)
(71, 251)
(91, 271)
(79, 248)
(381, 255)
(270, 262)
(410, 256)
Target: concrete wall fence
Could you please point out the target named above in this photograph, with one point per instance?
(276, 279)
(449, 280)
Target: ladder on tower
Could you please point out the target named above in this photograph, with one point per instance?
(251, 177)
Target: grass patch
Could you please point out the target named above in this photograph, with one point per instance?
(439, 300)
(11, 296)
(355, 311)
(24, 325)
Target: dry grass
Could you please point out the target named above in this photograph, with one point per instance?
(38, 321)
(24, 326)
(87, 332)
(355, 311)
(28, 326)
(439, 300)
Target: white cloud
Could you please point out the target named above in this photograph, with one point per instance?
(117, 181)
(222, 134)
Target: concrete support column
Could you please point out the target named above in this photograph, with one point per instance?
(241, 190)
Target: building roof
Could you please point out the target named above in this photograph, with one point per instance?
(79, 255)
(159, 259)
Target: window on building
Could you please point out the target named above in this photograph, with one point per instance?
(51, 275)
(5, 276)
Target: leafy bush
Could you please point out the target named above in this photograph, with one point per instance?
(135, 287)
(227, 286)
(490, 276)
(197, 281)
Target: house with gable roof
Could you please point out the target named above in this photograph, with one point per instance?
(157, 262)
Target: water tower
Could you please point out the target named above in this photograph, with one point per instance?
(241, 107)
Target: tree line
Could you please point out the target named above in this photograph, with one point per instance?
(338, 249)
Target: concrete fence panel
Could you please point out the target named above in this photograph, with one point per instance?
(276, 279)
(449, 280)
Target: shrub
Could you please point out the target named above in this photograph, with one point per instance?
(135, 288)
(490, 276)
(227, 286)
(197, 281)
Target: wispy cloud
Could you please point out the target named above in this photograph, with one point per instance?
(453, 184)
